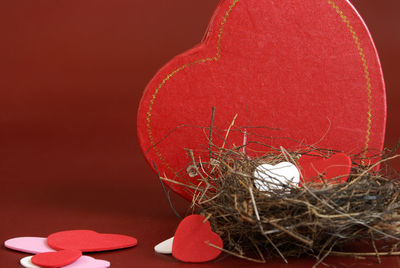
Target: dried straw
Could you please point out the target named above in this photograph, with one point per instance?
(293, 221)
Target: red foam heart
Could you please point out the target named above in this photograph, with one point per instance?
(89, 241)
(56, 259)
(190, 240)
(308, 68)
(335, 169)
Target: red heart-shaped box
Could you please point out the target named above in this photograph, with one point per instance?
(306, 70)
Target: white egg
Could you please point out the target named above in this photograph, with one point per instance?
(273, 177)
(27, 263)
(164, 247)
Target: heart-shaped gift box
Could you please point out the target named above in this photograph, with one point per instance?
(306, 71)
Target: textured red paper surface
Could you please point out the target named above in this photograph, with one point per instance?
(308, 68)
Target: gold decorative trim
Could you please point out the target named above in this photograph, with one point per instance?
(366, 72)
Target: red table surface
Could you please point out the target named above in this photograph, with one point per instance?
(71, 76)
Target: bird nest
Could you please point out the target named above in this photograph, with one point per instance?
(314, 219)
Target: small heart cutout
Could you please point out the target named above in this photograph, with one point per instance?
(33, 245)
(333, 170)
(164, 247)
(89, 241)
(270, 177)
(82, 262)
(56, 259)
(191, 238)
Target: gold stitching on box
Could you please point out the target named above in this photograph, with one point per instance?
(366, 72)
(173, 73)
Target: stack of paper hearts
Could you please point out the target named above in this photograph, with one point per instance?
(64, 249)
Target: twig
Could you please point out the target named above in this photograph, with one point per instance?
(324, 257)
(375, 248)
(306, 241)
(211, 131)
(166, 194)
(227, 132)
(180, 183)
(235, 254)
(260, 225)
(364, 254)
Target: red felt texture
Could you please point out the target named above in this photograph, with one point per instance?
(89, 241)
(190, 240)
(335, 169)
(306, 70)
(56, 259)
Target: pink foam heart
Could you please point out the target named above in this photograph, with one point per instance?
(56, 259)
(32, 245)
(191, 238)
(89, 241)
(88, 262)
(82, 262)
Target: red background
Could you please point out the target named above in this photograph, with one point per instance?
(71, 76)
